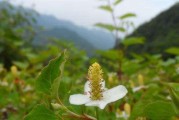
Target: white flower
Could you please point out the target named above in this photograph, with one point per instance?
(110, 95)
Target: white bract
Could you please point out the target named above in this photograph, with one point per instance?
(135, 89)
(110, 95)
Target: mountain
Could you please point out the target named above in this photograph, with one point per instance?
(84, 38)
(65, 35)
(96, 37)
(161, 32)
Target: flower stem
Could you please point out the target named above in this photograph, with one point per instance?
(97, 113)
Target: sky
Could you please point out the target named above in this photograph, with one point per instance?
(86, 13)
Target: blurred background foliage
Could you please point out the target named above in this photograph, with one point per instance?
(146, 62)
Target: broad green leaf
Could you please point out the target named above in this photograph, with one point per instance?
(173, 50)
(40, 112)
(45, 81)
(106, 26)
(106, 8)
(159, 110)
(138, 109)
(117, 2)
(56, 83)
(133, 41)
(153, 110)
(127, 15)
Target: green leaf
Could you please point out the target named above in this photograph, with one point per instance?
(174, 93)
(133, 41)
(153, 110)
(111, 54)
(45, 81)
(56, 83)
(106, 26)
(110, 27)
(106, 8)
(138, 109)
(117, 2)
(159, 110)
(175, 98)
(127, 15)
(173, 50)
(40, 112)
(174, 86)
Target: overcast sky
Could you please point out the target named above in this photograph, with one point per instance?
(86, 12)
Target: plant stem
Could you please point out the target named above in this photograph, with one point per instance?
(97, 113)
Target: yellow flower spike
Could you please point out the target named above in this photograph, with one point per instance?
(14, 70)
(141, 79)
(95, 93)
(95, 76)
(127, 108)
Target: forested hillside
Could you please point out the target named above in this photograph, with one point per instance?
(161, 33)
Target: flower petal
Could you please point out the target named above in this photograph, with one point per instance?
(87, 88)
(114, 94)
(92, 103)
(135, 89)
(79, 99)
(100, 103)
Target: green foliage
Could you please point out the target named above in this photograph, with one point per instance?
(15, 32)
(117, 2)
(127, 15)
(40, 112)
(120, 23)
(133, 41)
(161, 34)
(159, 110)
(106, 26)
(49, 78)
(106, 8)
(173, 50)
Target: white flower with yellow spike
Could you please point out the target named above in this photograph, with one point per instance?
(95, 93)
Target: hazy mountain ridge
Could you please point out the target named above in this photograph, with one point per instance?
(98, 38)
(84, 38)
(63, 34)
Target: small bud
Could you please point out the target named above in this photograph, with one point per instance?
(14, 70)
(127, 108)
(56, 106)
(141, 79)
